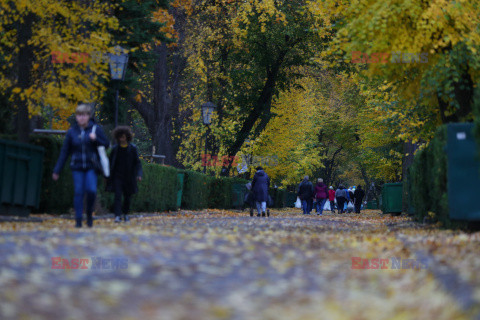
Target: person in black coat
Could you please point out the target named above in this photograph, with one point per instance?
(260, 185)
(358, 198)
(306, 194)
(126, 169)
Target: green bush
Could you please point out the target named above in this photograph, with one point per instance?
(201, 191)
(279, 197)
(196, 190)
(220, 193)
(157, 191)
(476, 113)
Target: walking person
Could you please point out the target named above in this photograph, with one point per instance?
(350, 194)
(320, 195)
(331, 198)
(341, 195)
(260, 185)
(126, 169)
(305, 193)
(81, 143)
(349, 207)
(358, 198)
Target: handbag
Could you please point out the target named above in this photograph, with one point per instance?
(102, 155)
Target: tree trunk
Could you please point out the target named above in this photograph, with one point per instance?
(260, 109)
(159, 115)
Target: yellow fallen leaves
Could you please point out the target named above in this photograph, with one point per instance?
(223, 264)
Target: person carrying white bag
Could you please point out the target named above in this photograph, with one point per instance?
(81, 142)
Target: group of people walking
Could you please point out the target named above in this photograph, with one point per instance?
(320, 194)
(85, 136)
(81, 143)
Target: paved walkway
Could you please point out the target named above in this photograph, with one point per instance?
(218, 264)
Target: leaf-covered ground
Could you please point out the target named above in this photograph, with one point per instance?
(226, 265)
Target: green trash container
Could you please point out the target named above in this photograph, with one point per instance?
(372, 204)
(180, 178)
(463, 172)
(392, 198)
(21, 174)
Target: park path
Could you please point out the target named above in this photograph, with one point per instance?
(216, 264)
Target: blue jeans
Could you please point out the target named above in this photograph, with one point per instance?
(84, 183)
(307, 206)
(320, 205)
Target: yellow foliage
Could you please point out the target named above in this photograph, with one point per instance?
(58, 85)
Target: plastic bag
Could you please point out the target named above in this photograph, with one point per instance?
(102, 154)
(327, 205)
(298, 203)
(350, 206)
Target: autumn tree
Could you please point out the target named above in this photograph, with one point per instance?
(158, 95)
(423, 52)
(242, 57)
(45, 46)
(328, 126)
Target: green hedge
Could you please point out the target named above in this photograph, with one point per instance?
(196, 190)
(476, 112)
(279, 197)
(221, 192)
(428, 181)
(157, 190)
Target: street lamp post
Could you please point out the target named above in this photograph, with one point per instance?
(118, 66)
(207, 111)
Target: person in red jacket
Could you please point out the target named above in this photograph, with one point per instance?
(320, 195)
(331, 198)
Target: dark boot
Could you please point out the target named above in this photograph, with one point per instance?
(263, 214)
(251, 212)
(78, 223)
(268, 212)
(89, 220)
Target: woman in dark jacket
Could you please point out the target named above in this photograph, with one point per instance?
(358, 197)
(260, 185)
(81, 143)
(305, 193)
(321, 195)
(126, 169)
